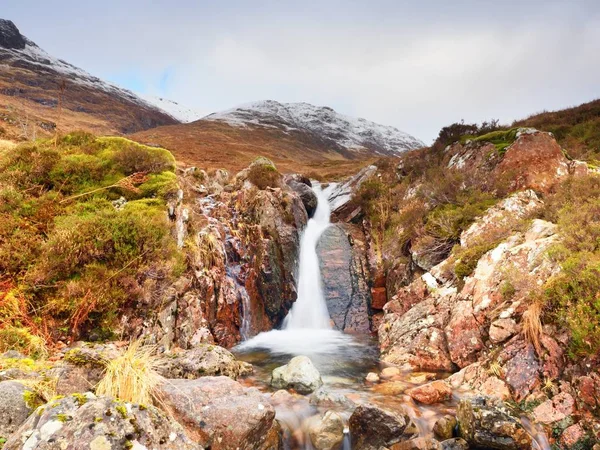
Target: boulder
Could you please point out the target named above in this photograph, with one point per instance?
(372, 427)
(435, 392)
(444, 427)
(98, 423)
(15, 406)
(326, 432)
(556, 409)
(220, 413)
(502, 329)
(299, 374)
(203, 360)
(304, 191)
(486, 423)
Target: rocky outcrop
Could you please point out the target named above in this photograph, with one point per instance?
(242, 245)
(342, 256)
(221, 414)
(436, 328)
(533, 161)
(87, 421)
(340, 194)
(203, 360)
(299, 374)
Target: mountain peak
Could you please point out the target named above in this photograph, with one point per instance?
(345, 132)
(10, 36)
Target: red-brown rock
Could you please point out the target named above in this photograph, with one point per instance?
(435, 392)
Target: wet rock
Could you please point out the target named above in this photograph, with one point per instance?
(391, 387)
(389, 372)
(203, 360)
(220, 413)
(372, 377)
(326, 432)
(495, 387)
(430, 393)
(14, 407)
(420, 443)
(445, 427)
(303, 189)
(454, 444)
(556, 409)
(522, 368)
(372, 427)
(98, 423)
(345, 278)
(324, 398)
(340, 194)
(299, 374)
(486, 423)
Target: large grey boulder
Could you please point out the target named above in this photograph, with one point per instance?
(203, 360)
(15, 406)
(487, 423)
(220, 413)
(299, 374)
(302, 187)
(87, 421)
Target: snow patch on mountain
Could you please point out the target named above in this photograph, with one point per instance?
(348, 132)
(174, 109)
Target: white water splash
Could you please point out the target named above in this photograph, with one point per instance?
(310, 309)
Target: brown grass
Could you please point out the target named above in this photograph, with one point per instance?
(133, 376)
(532, 325)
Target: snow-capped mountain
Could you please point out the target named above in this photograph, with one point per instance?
(350, 133)
(174, 109)
(34, 81)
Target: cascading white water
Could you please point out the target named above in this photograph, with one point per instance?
(310, 309)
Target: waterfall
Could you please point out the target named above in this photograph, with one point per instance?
(310, 309)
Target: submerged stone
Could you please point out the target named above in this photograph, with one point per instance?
(299, 374)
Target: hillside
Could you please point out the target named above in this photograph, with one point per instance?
(296, 136)
(39, 91)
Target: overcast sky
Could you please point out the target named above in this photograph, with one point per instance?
(416, 65)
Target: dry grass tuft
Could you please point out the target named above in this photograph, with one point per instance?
(132, 377)
(6, 145)
(532, 325)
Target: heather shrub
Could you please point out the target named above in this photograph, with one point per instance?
(263, 174)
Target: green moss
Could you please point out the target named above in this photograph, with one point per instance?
(122, 410)
(80, 398)
(32, 400)
(63, 418)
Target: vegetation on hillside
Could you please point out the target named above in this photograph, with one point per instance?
(577, 129)
(71, 259)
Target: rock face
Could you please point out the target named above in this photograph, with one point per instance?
(486, 424)
(299, 374)
(14, 408)
(243, 248)
(10, 37)
(345, 276)
(440, 328)
(340, 194)
(98, 423)
(203, 360)
(372, 427)
(220, 413)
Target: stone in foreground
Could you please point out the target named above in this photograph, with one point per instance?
(299, 374)
(14, 409)
(485, 423)
(221, 414)
(372, 427)
(87, 421)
